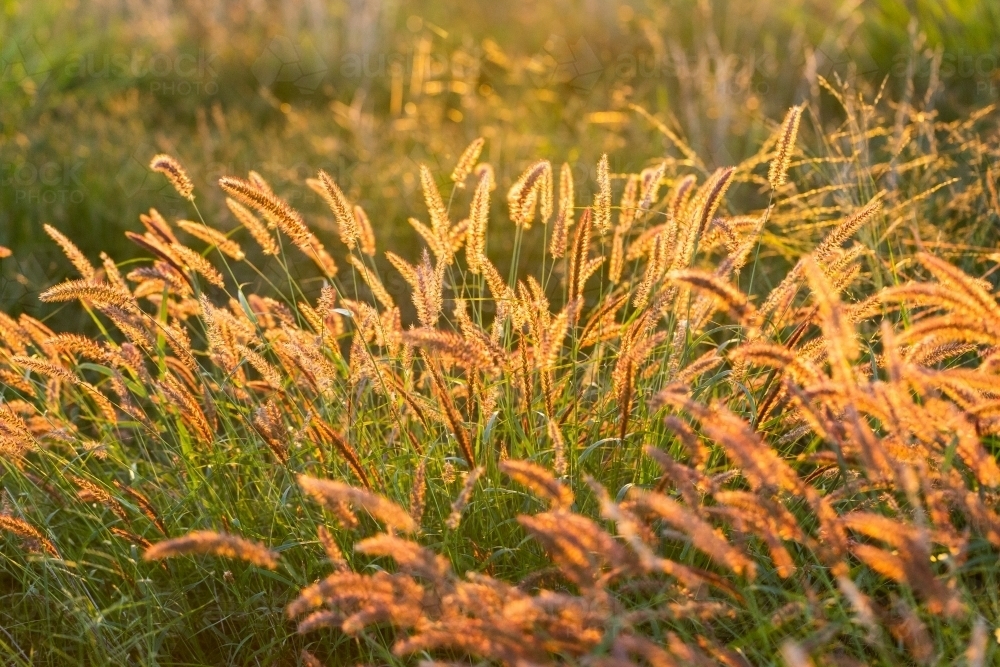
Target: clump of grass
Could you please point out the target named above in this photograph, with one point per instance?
(635, 452)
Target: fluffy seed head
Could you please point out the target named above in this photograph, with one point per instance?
(172, 169)
(467, 161)
(777, 175)
(213, 237)
(24, 529)
(602, 198)
(341, 207)
(330, 492)
(256, 228)
(215, 544)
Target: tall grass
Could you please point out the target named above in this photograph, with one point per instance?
(108, 83)
(671, 430)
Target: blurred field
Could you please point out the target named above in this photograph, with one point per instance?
(743, 413)
(367, 90)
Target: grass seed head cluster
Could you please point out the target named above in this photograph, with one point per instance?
(648, 448)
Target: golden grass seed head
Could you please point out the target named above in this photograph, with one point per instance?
(331, 492)
(215, 544)
(532, 188)
(24, 529)
(475, 247)
(651, 180)
(462, 500)
(256, 228)
(435, 204)
(466, 161)
(777, 174)
(366, 235)
(540, 481)
(564, 214)
(342, 210)
(172, 169)
(193, 261)
(77, 258)
(214, 237)
(602, 198)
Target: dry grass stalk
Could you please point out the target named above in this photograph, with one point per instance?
(347, 225)
(848, 228)
(427, 282)
(451, 413)
(724, 294)
(703, 536)
(576, 276)
(418, 491)
(270, 425)
(130, 537)
(374, 284)
(281, 215)
(268, 372)
(43, 367)
(651, 181)
(90, 492)
(462, 500)
(26, 530)
(213, 237)
(172, 169)
(475, 247)
(366, 235)
(560, 464)
(332, 549)
(256, 228)
(536, 478)
(435, 204)
(276, 210)
(602, 198)
(531, 192)
(145, 506)
(215, 544)
(332, 493)
(77, 258)
(99, 294)
(190, 412)
(466, 161)
(194, 262)
(325, 433)
(777, 175)
(564, 216)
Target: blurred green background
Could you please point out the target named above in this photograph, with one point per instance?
(368, 89)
